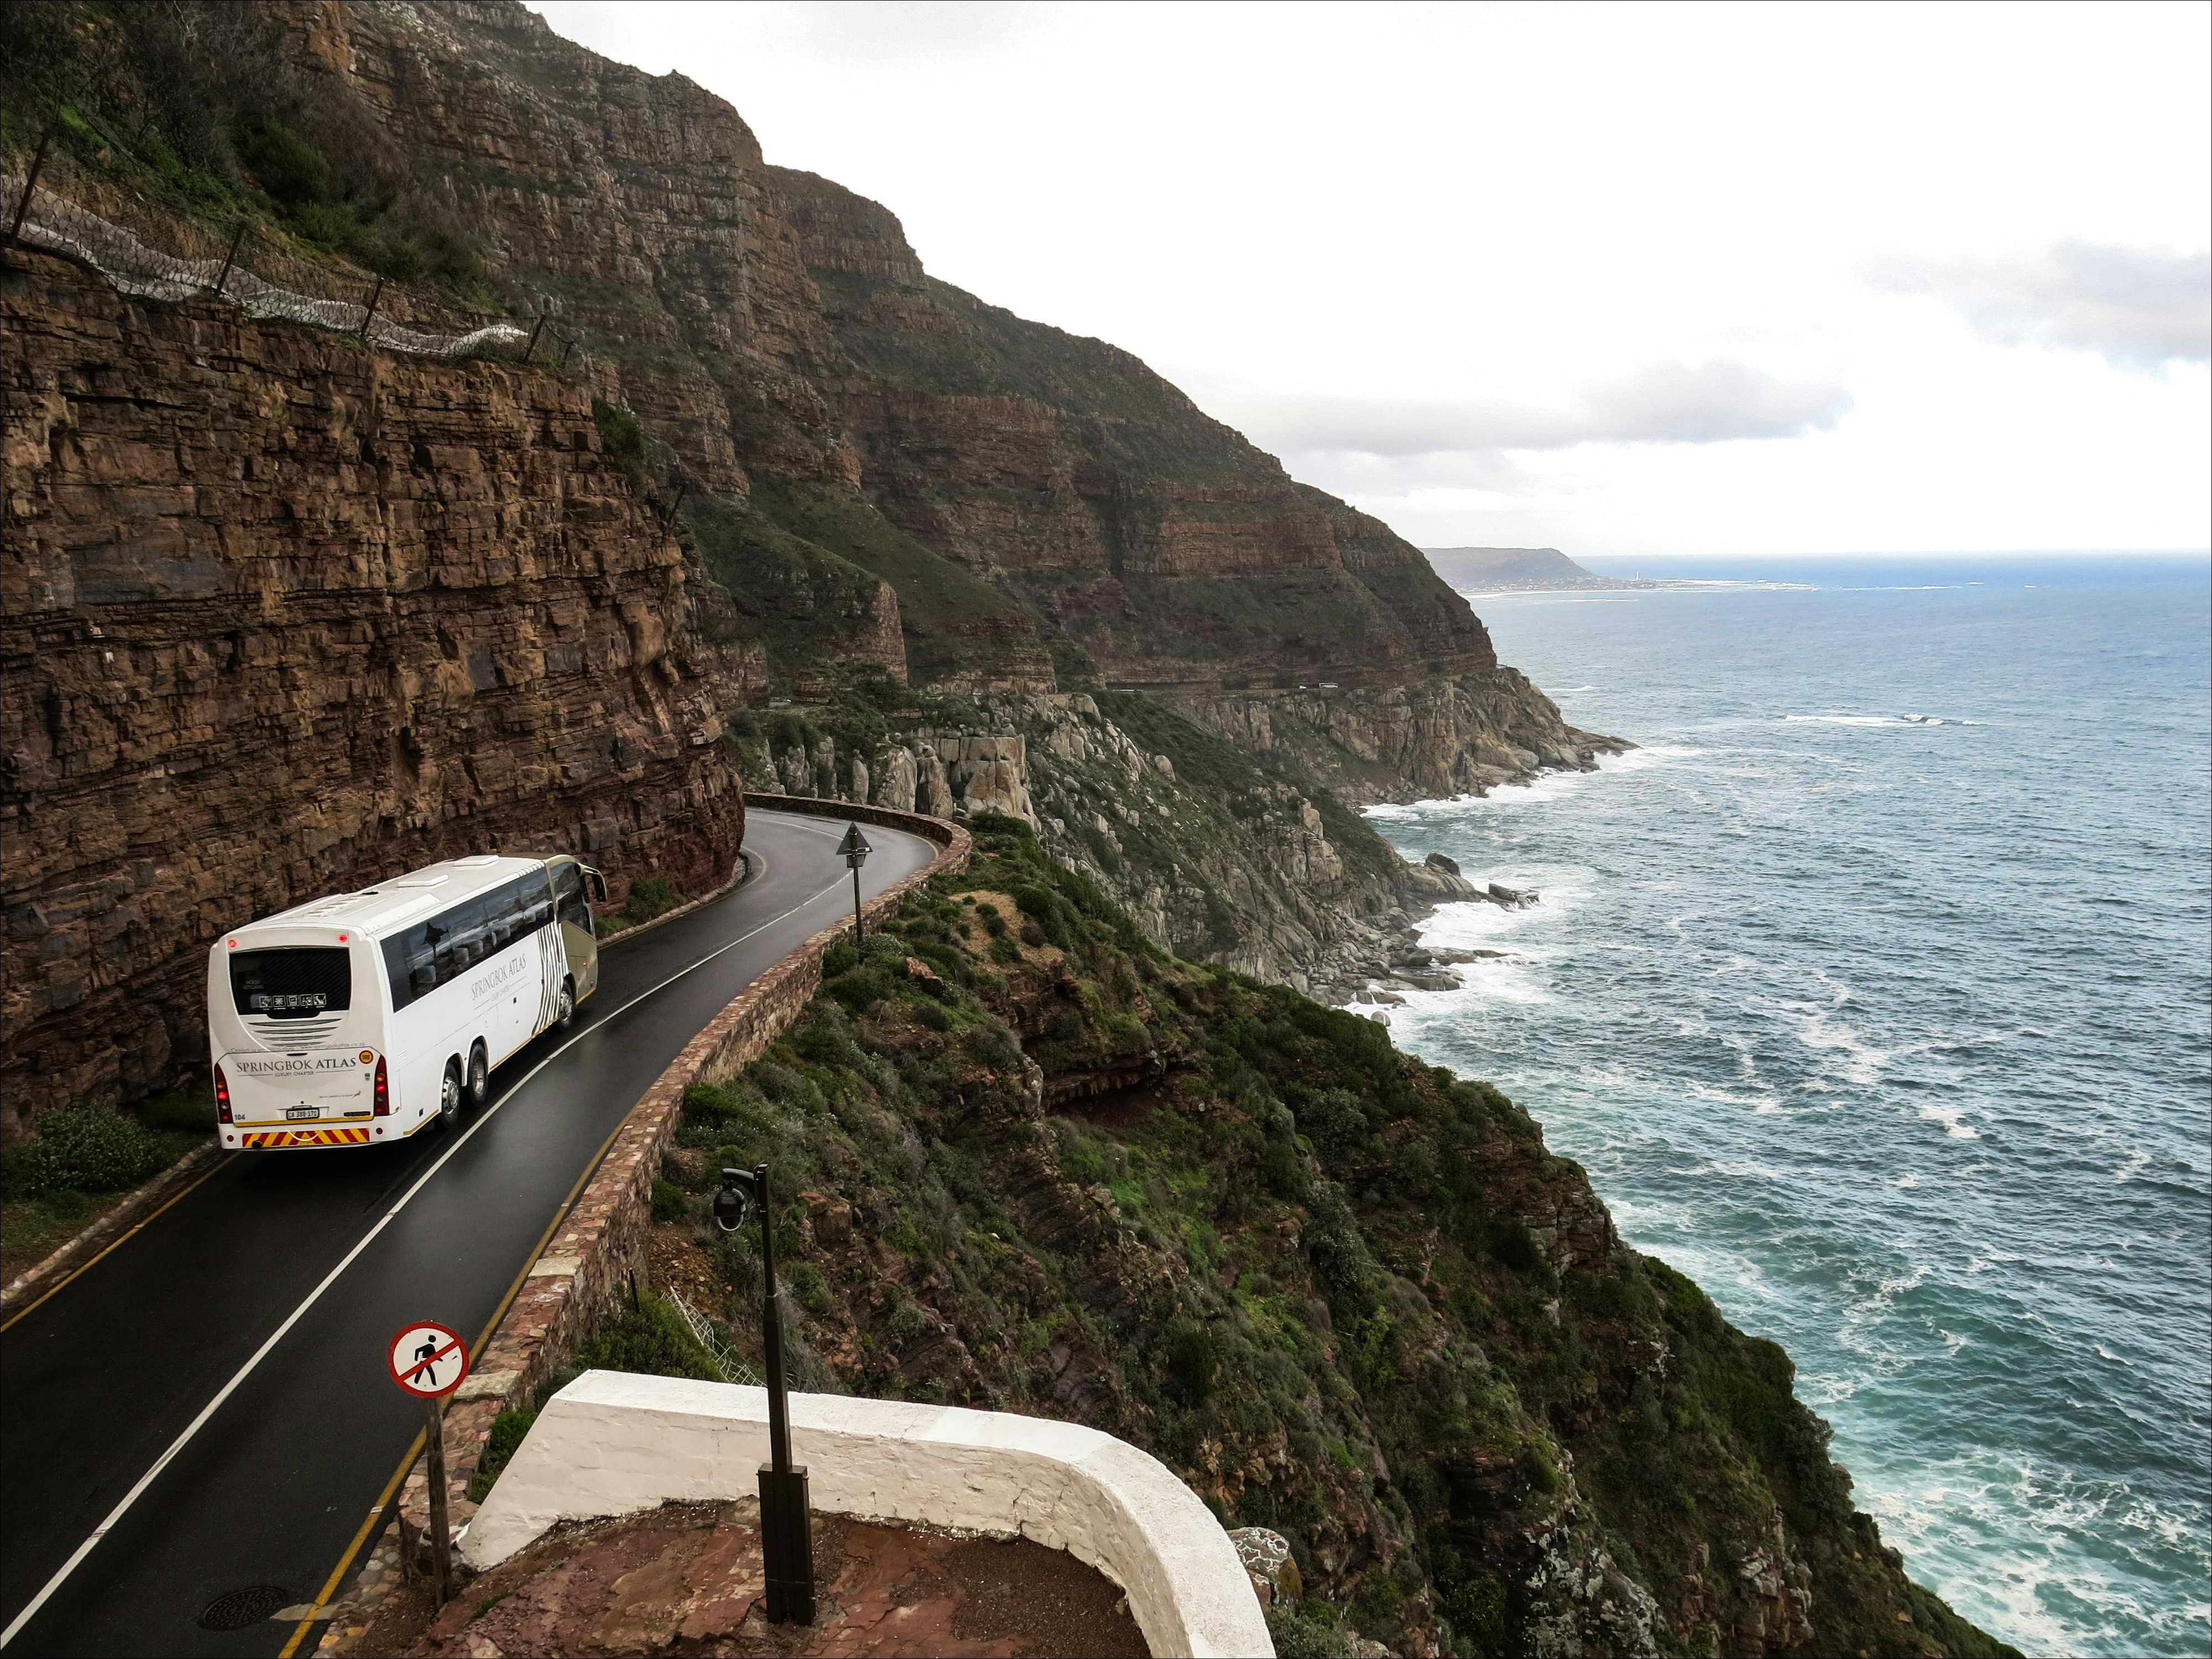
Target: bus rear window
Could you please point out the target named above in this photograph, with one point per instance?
(291, 984)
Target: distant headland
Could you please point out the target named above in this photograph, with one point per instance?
(1524, 570)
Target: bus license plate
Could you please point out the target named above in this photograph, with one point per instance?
(302, 1111)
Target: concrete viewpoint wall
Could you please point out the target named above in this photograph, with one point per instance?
(600, 1244)
(612, 1443)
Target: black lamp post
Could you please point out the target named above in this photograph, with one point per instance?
(854, 849)
(786, 1527)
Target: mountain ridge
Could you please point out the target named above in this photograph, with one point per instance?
(1512, 570)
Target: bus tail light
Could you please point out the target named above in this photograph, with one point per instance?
(383, 1090)
(221, 1096)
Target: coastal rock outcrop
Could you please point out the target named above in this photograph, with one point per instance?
(1427, 739)
(1216, 856)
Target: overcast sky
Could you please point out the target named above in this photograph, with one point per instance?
(1635, 279)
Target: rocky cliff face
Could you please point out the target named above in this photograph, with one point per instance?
(1040, 505)
(1419, 741)
(284, 616)
(1157, 540)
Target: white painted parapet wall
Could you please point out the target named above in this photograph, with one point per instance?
(613, 1443)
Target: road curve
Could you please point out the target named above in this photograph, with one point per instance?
(103, 1377)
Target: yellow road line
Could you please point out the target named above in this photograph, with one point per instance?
(24, 1313)
(360, 1537)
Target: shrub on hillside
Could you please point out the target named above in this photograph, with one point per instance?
(651, 1338)
(87, 1151)
(649, 897)
(669, 1202)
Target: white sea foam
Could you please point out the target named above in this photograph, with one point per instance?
(1875, 719)
(1952, 1118)
(1651, 754)
(1860, 1062)
(1706, 1094)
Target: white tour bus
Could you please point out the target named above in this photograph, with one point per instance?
(364, 1017)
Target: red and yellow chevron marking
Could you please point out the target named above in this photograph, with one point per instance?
(273, 1138)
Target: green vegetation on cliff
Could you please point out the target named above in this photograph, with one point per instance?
(198, 107)
(1030, 1162)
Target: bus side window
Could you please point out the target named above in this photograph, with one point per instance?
(451, 936)
(410, 964)
(536, 898)
(574, 910)
(525, 910)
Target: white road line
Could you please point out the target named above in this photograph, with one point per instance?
(315, 1296)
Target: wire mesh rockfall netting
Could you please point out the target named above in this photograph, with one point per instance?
(156, 254)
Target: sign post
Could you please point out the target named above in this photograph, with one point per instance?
(430, 1361)
(854, 849)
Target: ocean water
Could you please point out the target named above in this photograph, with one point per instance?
(1893, 1032)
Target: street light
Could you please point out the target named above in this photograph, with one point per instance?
(786, 1525)
(854, 849)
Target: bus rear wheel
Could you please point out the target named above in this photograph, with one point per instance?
(449, 1096)
(564, 1010)
(480, 1076)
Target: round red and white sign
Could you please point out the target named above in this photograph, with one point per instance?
(428, 1360)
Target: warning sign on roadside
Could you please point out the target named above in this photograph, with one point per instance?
(428, 1360)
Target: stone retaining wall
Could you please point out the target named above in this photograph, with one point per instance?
(599, 1247)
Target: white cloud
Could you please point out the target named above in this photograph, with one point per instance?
(901, 31)
(2138, 308)
(864, 35)
(1714, 402)
(1710, 402)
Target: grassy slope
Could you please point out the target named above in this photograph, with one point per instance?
(1090, 1181)
(953, 619)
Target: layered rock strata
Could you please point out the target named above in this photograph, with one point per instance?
(284, 616)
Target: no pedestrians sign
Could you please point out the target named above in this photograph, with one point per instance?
(428, 1360)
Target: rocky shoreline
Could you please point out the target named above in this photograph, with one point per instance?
(1218, 852)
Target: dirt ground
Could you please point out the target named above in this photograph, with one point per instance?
(686, 1579)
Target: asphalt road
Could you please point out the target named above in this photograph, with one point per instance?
(276, 1480)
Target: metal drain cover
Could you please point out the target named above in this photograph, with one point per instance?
(237, 1609)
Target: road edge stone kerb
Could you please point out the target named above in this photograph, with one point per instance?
(599, 1249)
